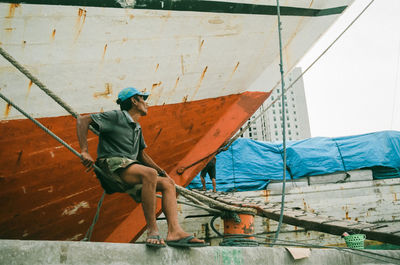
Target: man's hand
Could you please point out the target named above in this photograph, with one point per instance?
(87, 160)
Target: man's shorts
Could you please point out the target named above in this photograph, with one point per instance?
(112, 182)
(210, 169)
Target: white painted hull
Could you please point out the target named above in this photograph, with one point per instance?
(87, 54)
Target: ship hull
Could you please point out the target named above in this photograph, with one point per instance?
(197, 59)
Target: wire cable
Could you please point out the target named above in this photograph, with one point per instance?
(240, 133)
(283, 122)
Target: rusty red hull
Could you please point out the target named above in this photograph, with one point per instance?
(47, 195)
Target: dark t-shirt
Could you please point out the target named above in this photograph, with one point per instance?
(119, 135)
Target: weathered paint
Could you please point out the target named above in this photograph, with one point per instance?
(77, 62)
(365, 200)
(116, 51)
(40, 163)
(244, 227)
(207, 116)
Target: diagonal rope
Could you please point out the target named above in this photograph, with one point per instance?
(41, 126)
(37, 82)
(297, 79)
(42, 86)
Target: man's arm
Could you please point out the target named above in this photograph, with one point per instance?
(82, 127)
(146, 160)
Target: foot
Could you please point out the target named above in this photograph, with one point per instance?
(186, 242)
(181, 235)
(155, 241)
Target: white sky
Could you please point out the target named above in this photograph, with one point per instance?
(355, 87)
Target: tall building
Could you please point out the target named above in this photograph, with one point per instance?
(269, 126)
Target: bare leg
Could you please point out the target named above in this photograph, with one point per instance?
(169, 207)
(136, 174)
(203, 181)
(214, 184)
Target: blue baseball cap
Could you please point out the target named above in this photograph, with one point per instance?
(129, 92)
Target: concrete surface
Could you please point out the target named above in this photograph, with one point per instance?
(55, 252)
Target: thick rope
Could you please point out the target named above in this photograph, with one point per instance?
(41, 126)
(88, 235)
(206, 208)
(215, 204)
(242, 131)
(37, 82)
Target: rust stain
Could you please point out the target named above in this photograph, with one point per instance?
(9, 29)
(106, 93)
(230, 77)
(267, 194)
(131, 16)
(104, 52)
(215, 21)
(167, 16)
(11, 10)
(201, 45)
(29, 88)
(53, 34)
(347, 216)
(185, 98)
(7, 111)
(174, 88)
(311, 3)
(236, 67)
(395, 197)
(268, 226)
(182, 65)
(158, 65)
(200, 81)
(80, 21)
(176, 83)
(155, 85)
(124, 39)
(121, 77)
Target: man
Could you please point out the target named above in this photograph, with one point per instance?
(121, 155)
(210, 169)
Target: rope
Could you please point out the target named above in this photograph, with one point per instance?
(89, 232)
(63, 104)
(37, 82)
(350, 250)
(41, 126)
(297, 79)
(283, 122)
(341, 158)
(214, 203)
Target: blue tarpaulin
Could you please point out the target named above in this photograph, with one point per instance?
(250, 165)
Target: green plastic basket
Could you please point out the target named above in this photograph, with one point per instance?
(355, 241)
